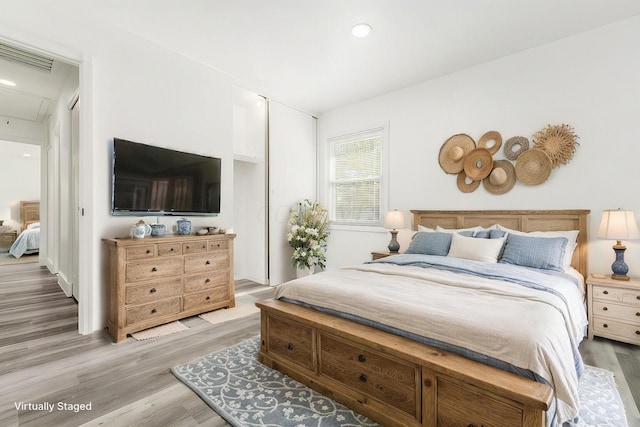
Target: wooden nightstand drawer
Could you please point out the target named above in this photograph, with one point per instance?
(218, 245)
(194, 247)
(168, 249)
(205, 281)
(626, 313)
(208, 297)
(617, 330)
(206, 261)
(622, 295)
(366, 371)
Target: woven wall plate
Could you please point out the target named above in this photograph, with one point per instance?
(478, 164)
(465, 184)
(558, 141)
(501, 179)
(533, 167)
(486, 141)
(515, 146)
(453, 151)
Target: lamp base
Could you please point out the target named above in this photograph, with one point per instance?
(619, 267)
(394, 246)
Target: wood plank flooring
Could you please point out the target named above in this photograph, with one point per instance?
(44, 359)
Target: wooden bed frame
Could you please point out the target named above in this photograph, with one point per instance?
(29, 213)
(397, 381)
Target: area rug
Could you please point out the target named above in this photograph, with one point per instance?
(225, 314)
(246, 393)
(159, 331)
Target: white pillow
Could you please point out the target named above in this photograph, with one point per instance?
(423, 228)
(33, 225)
(486, 250)
(456, 230)
(570, 235)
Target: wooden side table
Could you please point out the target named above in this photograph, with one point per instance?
(7, 238)
(381, 254)
(614, 308)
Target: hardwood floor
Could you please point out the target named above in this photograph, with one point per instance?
(44, 360)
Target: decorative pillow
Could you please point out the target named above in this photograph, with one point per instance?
(487, 250)
(570, 235)
(538, 252)
(469, 232)
(430, 243)
(423, 228)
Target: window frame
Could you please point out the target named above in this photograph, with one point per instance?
(381, 130)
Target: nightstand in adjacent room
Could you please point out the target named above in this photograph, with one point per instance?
(7, 238)
(381, 254)
(614, 308)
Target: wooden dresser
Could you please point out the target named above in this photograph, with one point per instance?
(158, 280)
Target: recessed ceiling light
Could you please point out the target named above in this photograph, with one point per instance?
(27, 155)
(7, 82)
(361, 30)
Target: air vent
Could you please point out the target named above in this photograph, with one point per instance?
(30, 59)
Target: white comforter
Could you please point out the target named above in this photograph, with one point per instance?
(27, 241)
(524, 327)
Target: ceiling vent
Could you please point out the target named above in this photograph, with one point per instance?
(24, 57)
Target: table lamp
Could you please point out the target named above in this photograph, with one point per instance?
(392, 220)
(618, 225)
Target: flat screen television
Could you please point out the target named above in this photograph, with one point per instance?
(155, 181)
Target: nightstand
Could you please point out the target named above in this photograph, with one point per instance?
(614, 308)
(7, 238)
(381, 254)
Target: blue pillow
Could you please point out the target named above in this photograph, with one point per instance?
(537, 252)
(430, 243)
(489, 234)
(496, 234)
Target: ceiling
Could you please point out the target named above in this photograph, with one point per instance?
(302, 53)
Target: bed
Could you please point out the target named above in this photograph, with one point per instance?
(28, 242)
(417, 339)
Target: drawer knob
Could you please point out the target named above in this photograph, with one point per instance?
(605, 292)
(154, 269)
(363, 378)
(187, 246)
(604, 309)
(153, 290)
(171, 250)
(204, 246)
(637, 332)
(207, 298)
(289, 346)
(361, 358)
(153, 310)
(148, 251)
(207, 281)
(208, 262)
(605, 326)
(638, 297)
(638, 313)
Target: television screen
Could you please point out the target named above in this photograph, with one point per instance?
(156, 181)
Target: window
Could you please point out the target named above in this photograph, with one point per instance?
(356, 171)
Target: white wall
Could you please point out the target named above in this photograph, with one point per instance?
(590, 81)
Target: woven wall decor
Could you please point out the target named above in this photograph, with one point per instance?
(558, 141)
(515, 146)
(485, 141)
(453, 152)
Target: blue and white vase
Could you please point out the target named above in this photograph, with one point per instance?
(184, 226)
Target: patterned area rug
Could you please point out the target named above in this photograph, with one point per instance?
(246, 393)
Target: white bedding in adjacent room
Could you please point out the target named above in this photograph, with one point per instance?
(27, 242)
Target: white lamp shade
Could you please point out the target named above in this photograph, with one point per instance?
(618, 225)
(394, 219)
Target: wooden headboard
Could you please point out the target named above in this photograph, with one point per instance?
(29, 213)
(532, 220)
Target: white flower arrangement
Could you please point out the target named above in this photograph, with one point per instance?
(308, 234)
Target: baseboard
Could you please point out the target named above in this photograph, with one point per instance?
(65, 285)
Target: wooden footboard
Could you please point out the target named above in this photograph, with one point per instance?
(393, 380)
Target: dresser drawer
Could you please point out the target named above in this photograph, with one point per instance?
(291, 341)
(208, 297)
(141, 252)
(194, 247)
(391, 381)
(460, 404)
(616, 330)
(621, 295)
(168, 249)
(206, 261)
(153, 290)
(218, 245)
(143, 270)
(153, 310)
(626, 313)
(205, 281)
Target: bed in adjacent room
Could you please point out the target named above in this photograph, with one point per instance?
(28, 241)
(478, 322)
